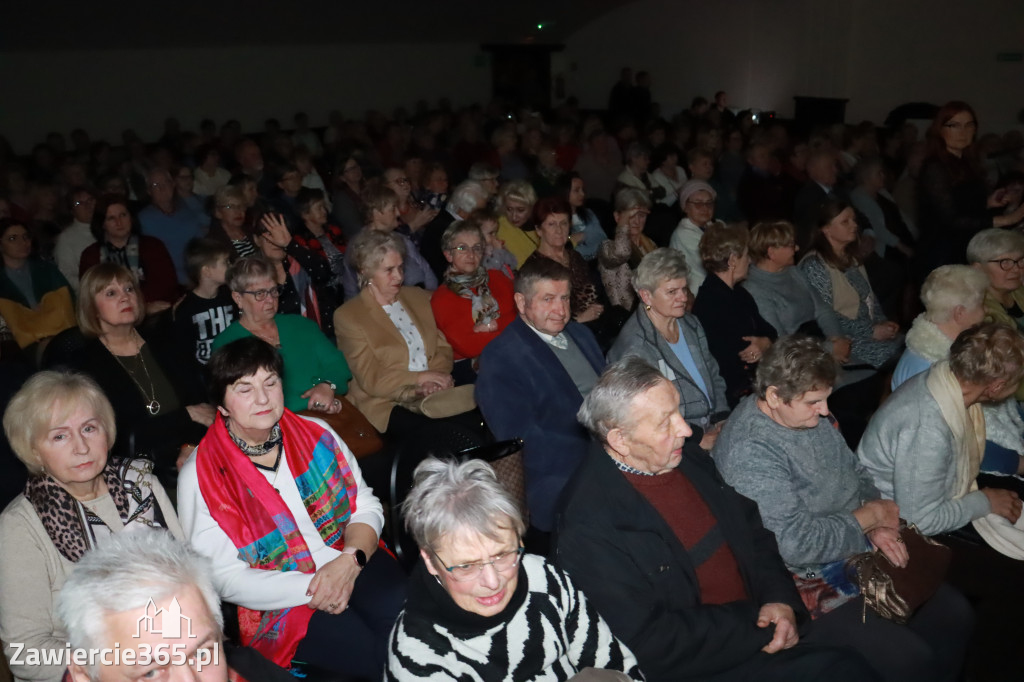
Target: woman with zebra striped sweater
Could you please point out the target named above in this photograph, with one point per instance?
(478, 608)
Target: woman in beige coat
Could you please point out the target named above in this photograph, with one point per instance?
(398, 356)
(62, 426)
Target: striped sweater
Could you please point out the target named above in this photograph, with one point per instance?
(548, 631)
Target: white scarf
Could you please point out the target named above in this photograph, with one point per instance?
(1003, 423)
(968, 428)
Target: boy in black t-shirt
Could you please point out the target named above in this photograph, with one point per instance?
(208, 309)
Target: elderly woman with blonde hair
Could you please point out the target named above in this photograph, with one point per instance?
(478, 607)
(516, 199)
(737, 334)
(61, 426)
(923, 449)
(953, 296)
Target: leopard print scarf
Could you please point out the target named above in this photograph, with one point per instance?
(64, 517)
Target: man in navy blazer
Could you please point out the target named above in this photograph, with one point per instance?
(532, 381)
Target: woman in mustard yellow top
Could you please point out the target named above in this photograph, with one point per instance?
(515, 206)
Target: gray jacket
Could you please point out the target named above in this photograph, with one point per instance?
(806, 482)
(908, 450)
(639, 337)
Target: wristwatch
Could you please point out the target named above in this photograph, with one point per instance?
(357, 554)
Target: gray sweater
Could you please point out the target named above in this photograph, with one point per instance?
(639, 337)
(908, 450)
(807, 483)
(786, 301)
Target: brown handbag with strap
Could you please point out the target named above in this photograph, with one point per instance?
(353, 427)
(896, 593)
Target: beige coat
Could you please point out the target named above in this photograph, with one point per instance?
(379, 356)
(32, 573)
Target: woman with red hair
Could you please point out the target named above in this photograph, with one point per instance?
(954, 202)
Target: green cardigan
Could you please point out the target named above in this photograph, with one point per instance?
(308, 357)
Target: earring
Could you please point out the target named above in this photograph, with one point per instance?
(647, 308)
(438, 579)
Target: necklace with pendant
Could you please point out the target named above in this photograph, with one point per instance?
(152, 404)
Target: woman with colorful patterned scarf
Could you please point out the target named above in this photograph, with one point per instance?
(61, 426)
(277, 502)
(474, 304)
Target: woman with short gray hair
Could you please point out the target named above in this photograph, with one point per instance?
(999, 254)
(388, 333)
(781, 450)
(661, 333)
(478, 607)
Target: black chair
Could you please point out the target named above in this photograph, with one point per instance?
(62, 348)
(438, 439)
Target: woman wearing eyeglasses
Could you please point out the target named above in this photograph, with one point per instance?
(999, 254)
(697, 199)
(477, 607)
(553, 217)
(954, 202)
(473, 305)
(314, 370)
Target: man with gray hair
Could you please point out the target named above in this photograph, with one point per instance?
(468, 196)
(678, 562)
(169, 220)
(142, 604)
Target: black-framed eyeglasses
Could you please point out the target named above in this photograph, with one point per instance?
(701, 204)
(261, 294)
(1009, 263)
(501, 562)
(463, 248)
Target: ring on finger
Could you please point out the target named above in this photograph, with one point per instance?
(332, 607)
(318, 404)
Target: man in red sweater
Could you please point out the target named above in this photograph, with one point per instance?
(675, 560)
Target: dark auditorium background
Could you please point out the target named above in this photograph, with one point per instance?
(116, 64)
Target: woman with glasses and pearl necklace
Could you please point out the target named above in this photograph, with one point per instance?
(314, 369)
(279, 505)
(478, 607)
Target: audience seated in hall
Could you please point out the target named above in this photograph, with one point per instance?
(405, 209)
